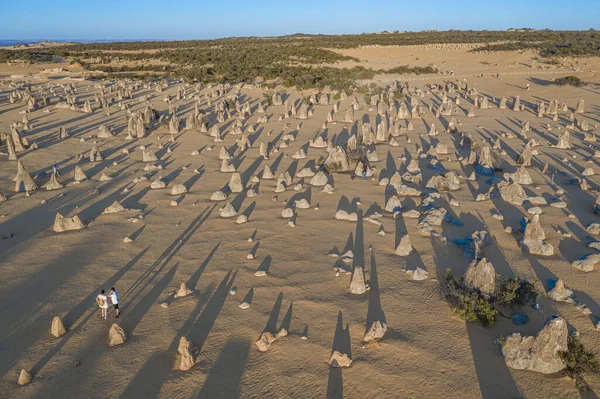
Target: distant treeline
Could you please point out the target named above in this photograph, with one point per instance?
(352, 41)
(302, 77)
(557, 44)
(24, 55)
(297, 60)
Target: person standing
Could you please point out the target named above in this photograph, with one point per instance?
(364, 171)
(102, 301)
(55, 169)
(114, 299)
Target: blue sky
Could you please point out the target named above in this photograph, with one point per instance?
(201, 19)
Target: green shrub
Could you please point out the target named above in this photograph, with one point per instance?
(398, 96)
(296, 60)
(31, 56)
(569, 80)
(360, 152)
(269, 98)
(509, 46)
(333, 168)
(337, 95)
(471, 305)
(551, 43)
(230, 103)
(501, 340)
(405, 69)
(452, 282)
(513, 291)
(580, 362)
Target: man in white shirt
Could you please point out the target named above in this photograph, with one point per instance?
(102, 301)
(114, 298)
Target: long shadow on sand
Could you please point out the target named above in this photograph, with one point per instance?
(74, 314)
(150, 378)
(225, 377)
(341, 338)
(23, 325)
(493, 376)
(335, 384)
(132, 317)
(374, 310)
(142, 282)
(193, 280)
(202, 327)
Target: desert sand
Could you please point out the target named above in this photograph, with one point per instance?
(295, 294)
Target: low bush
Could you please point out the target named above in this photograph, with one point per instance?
(473, 306)
(512, 291)
(405, 69)
(569, 80)
(296, 60)
(580, 362)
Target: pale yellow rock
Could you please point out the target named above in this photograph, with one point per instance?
(24, 377)
(116, 336)
(58, 328)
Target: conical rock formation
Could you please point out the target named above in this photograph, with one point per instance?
(23, 181)
(58, 329)
(357, 283)
(62, 224)
(404, 248)
(481, 275)
(24, 377)
(183, 291)
(53, 184)
(115, 207)
(375, 331)
(116, 336)
(188, 352)
(540, 353)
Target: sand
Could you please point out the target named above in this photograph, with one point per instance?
(426, 352)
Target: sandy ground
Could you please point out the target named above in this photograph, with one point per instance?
(38, 45)
(36, 72)
(427, 352)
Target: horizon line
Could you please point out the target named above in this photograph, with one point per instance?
(115, 40)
